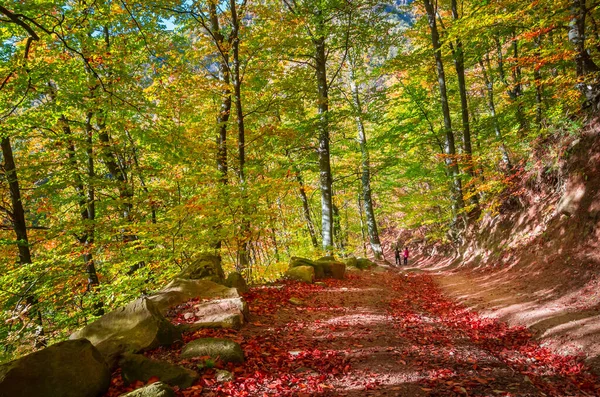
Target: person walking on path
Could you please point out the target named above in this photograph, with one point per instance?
(405, 255)
(397, 255)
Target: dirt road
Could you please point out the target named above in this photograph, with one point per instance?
(382, 333)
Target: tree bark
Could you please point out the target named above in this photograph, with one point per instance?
(243, 245)
(459, 65)
(489, 84)
(20, 227)
(449, 146)
(365, 170)
(325, 179)
(584, 62)
(306, 208)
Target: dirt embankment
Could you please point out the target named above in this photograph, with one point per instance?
(537, 262)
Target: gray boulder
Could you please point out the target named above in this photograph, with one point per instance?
(237, 281)
(71, 368)
(180, 291)
(301, 273)
(204, 266)
(222, 375)
(137, 367)
(222, 349)
(157, 389)
(219, 313)
(360, 263)
(139, 326)
(297, 262)
(333, 268)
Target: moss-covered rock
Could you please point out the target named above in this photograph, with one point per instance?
(179, 291)
(301, 273)
(72, 368)
(360, 263)
(139, 326)
(156, 389)
(319, 271)
(204, 266)
(216, 348)
(138, 367)
(237, 281)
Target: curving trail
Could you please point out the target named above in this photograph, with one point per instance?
(381, 333)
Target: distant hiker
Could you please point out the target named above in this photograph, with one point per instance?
(405, 256)
(397, 255)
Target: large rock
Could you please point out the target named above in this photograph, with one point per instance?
(301, 273)
(219, 313)
(180, 291)
(333, 268)
(360, 263)
(296, 261)
(137, 367)
(133, 328)
(222, 349)
(71, 368)
(204, 266)
(156, 389)
(237, 281)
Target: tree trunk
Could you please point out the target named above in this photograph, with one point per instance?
(449, 149)
(243, 259)
(489, 83)
(366, 170)
(325, 179)
(85, 209)
(20, 227)
(585, 63)
(459, 65)
(306, 208)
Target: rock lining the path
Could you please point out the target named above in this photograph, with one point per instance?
(136, 367)
(72, 368)
(301, 273)
(136, 327)
(179, 291)
(156, 389)
(216, 348)
(204, 266)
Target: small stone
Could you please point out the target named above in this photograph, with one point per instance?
(188, 315)
(223, 376)
(296, 301)
(216, 348)
(156, 389)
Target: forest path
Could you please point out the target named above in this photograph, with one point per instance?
(382, 333)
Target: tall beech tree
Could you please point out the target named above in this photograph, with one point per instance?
(449, 146)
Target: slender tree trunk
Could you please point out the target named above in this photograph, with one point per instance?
(306, 208)
(225, 108)
(362, 223)
(85, 210)
(20, 227)
(324, 154)
(584, 62)
(365, 170)
(243, 259)
(459, 65)
(489, 83)
(449, 149)
(539, 89)
(516, 93)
